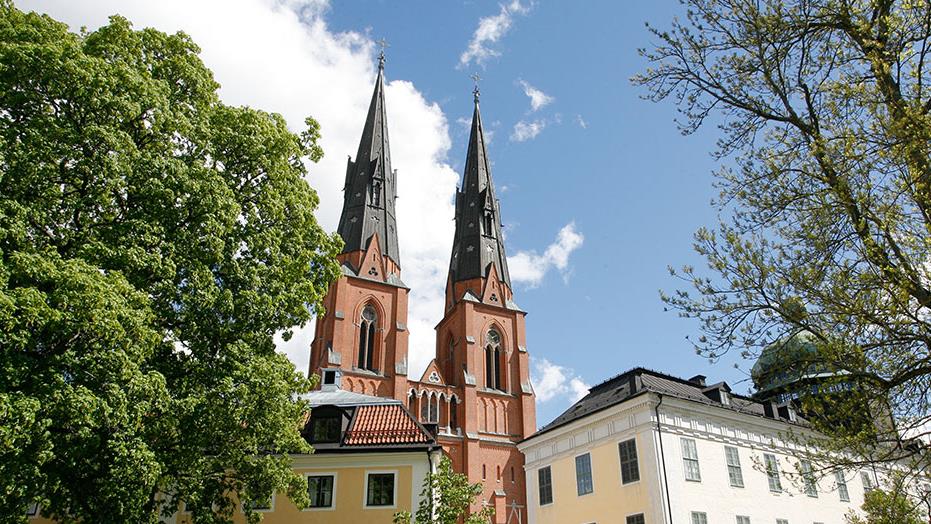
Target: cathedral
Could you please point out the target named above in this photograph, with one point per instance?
(476, 392)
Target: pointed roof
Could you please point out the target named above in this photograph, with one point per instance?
(478, 243)
(370, 189)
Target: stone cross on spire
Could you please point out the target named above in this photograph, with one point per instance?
(475, 92)
(383, 44)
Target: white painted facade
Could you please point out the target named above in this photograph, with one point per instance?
(662, 469)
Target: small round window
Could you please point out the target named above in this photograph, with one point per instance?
(493, 337)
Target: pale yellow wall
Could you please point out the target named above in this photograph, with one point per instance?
(610, 496)
(349, 496)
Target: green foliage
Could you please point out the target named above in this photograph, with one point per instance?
(446, 498)
(824, 109)
(152, 243)
(893, 505)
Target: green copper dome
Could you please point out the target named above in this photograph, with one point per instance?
(788, 365)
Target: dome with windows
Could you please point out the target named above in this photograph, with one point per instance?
(790, 366)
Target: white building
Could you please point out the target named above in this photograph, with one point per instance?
(645, 447)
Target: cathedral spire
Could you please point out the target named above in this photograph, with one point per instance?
(478, 245)
(370, 188)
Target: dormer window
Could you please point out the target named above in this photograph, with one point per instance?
(488, 223)
(725, 398)
(326, 428)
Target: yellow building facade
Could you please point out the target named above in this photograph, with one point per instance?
(371, 460)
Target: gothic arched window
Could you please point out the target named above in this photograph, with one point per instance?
(425, 408)
(493, 360)
(367, 326)
(453, 413)
(435, 410)
(450, 363)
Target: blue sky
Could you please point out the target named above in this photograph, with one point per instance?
(585, 155)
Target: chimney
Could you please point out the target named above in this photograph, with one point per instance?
(330, 381)
(698, 380)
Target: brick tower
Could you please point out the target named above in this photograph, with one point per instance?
(477, 391)
(481, 343)
(364, 330)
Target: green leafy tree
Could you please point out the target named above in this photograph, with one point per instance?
(446, 498)
(891, 505)
(152, 243)
(824, 112)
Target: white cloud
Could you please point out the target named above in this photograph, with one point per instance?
(490, 29)
(553, 381)
(529, 267)
(581, 121)
(538, 99)
(524, 131)
(279, 55)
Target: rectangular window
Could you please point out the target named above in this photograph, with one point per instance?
(545, 480)
(841, 482)
(699, 517)
(772, 472)
(734, 473)
(259, 505)
(32, 509)
(690, 460)
(867, 480)
(380, 489)
(635, 519)
(320, 491)
(583, 474)
(808, 478)
(743, 519)
(782, 521)
(630, 471)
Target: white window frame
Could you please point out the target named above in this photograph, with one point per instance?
(840, 481)
(868, 482)
(552, 491)
(686, 459)
(591, 472)
(743, 519)
(782, 521)
(638, 514)
(701, 515)
(621, 465)
(774, 475)
(335, 475)
(739, 468)
(365, 489)
(809, 482)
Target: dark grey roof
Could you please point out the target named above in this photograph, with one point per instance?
(476, 246)
(638, 381)
(371, 186)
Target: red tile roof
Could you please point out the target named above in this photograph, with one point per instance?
(385, 424)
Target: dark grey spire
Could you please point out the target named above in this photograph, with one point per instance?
(370, 189)
(478, 243)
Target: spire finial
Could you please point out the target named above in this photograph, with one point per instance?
(383, 44)
(475, 92)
